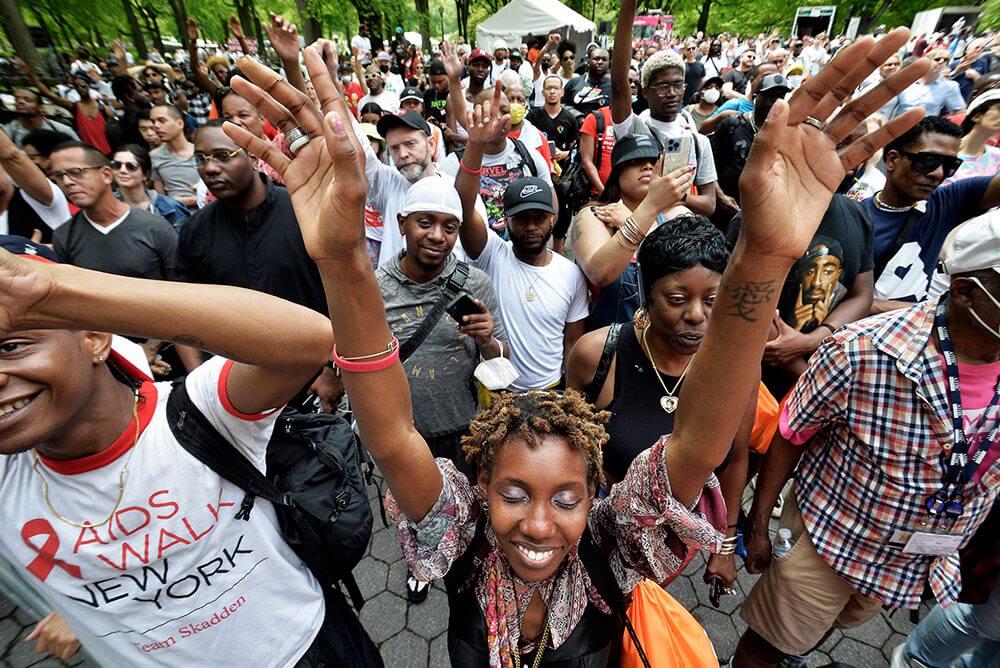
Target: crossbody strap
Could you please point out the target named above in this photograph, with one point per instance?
(913, 218)
(604, 365)
(599, 126)
(452, 287)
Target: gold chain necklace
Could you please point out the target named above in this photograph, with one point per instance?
(669, 401)
(541, 649)
(121, 479)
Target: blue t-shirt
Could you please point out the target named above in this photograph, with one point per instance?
(965, 84)
(737, 104)
(906, 276)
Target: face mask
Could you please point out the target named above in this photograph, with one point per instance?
(384, 68)
(635, 98)
(517, 112)
(346, 78)
(795, 80)
(711, 95)
(975, 316)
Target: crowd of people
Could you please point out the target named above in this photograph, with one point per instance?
(576, 300)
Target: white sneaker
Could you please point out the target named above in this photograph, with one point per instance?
(899, 657)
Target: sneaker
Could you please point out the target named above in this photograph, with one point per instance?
(900, 659)
(795, 661)
(416, 591)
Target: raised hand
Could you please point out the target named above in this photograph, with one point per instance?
(670, 189)
(235, 27)
(452, 63)
(284, 37)
(486, 124)
(325, 177)
(794, 167)
(192, 30)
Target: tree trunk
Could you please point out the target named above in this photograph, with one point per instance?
(373, 19)
(311, 29)
(152, 26)
(138, 41)
(17, 33)
(462, 14)
(423, 8)
(706, 7)
(179, 10)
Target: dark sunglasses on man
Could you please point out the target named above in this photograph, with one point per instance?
(926, 162)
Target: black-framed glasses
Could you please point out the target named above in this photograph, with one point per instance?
(73, 173)
(221, 157)
(662, 89)
(926, 162)
(128, 165)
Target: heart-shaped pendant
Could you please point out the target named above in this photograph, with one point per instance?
(669, 404)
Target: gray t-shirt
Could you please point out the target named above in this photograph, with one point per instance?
(17, 132)
(143, 245)
(179, 176)
(440, 370)
(701, 155)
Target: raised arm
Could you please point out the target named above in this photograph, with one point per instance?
(484, 126)
(43, 90)
(327, 185)
(237, 30)
(24, 172)
(621, 94)
(550, 45)
(198, 68)
(284, 38)
(457, 108)
(786, 187)
(277, 345)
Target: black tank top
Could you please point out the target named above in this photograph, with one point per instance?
(637, 419)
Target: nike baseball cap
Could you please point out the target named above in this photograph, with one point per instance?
(432, 194)
(404, 119)
(526, 194)
(411, 93)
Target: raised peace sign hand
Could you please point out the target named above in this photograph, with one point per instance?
(794, 167)
(486, 123)
(325, 177)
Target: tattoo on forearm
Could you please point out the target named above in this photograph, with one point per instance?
(745, 299)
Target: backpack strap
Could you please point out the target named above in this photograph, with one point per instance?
(593, 390)
(526, 158)
(600, 127)
(452, 287)
(913, 219)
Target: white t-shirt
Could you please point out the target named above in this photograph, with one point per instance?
(498, 170)
(55, 214)
(362, 44)
(174, 579)
(534, 326)
(682, 126)
(387, 100)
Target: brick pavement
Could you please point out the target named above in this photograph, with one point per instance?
(415, 636)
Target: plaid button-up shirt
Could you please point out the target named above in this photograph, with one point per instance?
(875, 413)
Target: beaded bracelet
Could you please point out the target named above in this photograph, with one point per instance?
(361, 365)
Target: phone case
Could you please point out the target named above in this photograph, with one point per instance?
(676, 154)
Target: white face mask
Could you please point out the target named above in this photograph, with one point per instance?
(795, 80)
(711, 95)
(975, 315)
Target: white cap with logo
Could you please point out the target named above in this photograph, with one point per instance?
(432, 194)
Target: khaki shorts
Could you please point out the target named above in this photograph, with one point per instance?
(799, 598)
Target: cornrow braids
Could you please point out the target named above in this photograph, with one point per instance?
(529, 415)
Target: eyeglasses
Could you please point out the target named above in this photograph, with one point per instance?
(926, 163)
(662, 89)
(73, 173)
(567, 58)
(129, 166)
(221, 157)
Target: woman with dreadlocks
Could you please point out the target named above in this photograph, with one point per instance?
(534, 562)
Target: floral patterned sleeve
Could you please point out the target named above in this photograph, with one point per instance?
(433, 544)
(652, 534)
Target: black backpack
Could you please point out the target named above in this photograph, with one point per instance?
(316, 475)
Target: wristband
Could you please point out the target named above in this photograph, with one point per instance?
(355, 365)
(829, 327)
(473, 172)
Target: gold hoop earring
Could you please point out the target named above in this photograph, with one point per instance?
(641, 318)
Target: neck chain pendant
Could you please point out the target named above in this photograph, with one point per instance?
(668, 403)
(529, 294)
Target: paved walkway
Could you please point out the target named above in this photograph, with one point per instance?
(415, 636)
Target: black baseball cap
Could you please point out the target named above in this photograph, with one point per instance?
(526, 194)
(404, 119)
(25, 247)
(437, 67)
(411, 93)
(634, 147)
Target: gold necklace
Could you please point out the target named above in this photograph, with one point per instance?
(541, 650)
(529, 294)
(121, 479)
(669, 401)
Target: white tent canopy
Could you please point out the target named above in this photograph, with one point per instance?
(520, 18)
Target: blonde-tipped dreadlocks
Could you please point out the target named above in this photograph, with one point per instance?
(529, 415)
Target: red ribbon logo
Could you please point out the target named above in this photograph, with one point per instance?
(46, 560)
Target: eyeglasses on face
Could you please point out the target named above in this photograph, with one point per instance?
(927, 163)
(662, 89)
(129, 165)
(221, 157)
(73, 173)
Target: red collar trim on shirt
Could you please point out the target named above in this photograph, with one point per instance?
(121, 445)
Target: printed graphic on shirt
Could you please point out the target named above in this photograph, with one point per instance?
(819, 273)
(492, 186)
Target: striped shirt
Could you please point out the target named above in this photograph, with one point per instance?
(874, 409)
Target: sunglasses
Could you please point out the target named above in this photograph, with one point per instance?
(926, 163)
(129, 166)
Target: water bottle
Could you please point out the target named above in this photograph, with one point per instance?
(783, 545)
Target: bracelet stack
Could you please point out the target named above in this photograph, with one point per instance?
(368, 363)
(629, 234)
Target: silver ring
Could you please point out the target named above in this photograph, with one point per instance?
(295, 139)
(815, 122)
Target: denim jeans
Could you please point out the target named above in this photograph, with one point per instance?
(618, 301)
(966, 634)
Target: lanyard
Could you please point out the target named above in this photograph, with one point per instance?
(960, 466)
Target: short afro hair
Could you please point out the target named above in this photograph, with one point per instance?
(661, 60)
(927, 125)
(678, 244)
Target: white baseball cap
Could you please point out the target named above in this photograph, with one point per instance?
(982, 99)
(499, 44)
(433, 194)
(974, 245)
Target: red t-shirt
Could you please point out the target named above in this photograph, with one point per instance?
(353, 93)
(607, 143)
(91, 130)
